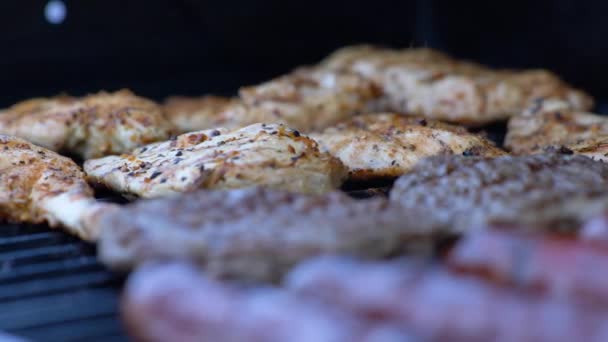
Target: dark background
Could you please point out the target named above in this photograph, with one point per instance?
(164, 47)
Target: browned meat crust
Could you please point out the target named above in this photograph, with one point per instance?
(429, 83)
(256, 233)
(38, 185)
(89, 127)
(389, 145)
(548, 191)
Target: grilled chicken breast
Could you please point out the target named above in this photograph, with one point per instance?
(88, 127)
(389, 145)
(38, 185)
(555, 124)
(428, 83)
(269, 155)
(189, 114)
(176, 302)
(306, 99)
(256, 233)
(544, 191)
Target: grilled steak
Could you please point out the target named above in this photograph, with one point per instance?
(547, 191)
(256, 233)
(177, 303)
(389, 145)
(440, 306)
(558, 266)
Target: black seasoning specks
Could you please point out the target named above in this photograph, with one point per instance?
(215, 133)
(155, 174)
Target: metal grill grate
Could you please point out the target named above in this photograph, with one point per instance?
(53, 289)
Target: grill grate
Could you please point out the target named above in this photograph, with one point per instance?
(52, 288)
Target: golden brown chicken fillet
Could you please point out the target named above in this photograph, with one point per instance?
(389, 145)
(555, 124)
(432, 84)
(93, 126)
(38, 185)
(306, 99)
(189, 114)
(260, 154)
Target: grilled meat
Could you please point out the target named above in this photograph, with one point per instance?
(555, 124)
(429, 83)
(38, 185)
(389, 145)
(440, 306)
(306, 99)
(177, 303)
(547, 191)
(270, 155)
(189, 114)
(561, 267)
(256, 233)
(88, 127)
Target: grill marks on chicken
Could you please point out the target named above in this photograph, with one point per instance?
(389, 145)
(546, 191)
(257, 233)
(429, 83)
(555, 124)
(88, 127)
(38, 185)
(269, 155)
(177, 303)
(306, 99)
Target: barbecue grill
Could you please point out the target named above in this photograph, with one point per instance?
(52, 287)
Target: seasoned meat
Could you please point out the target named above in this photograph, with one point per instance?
(389, 145)
(429, 83)
(270, 155)
(306, 99)
(38, 185)
(189, 114)
(440, 306)
(555, 124)
(256, 233)
(547, 191)
(561, 267)
(88, 127)
(177, 303)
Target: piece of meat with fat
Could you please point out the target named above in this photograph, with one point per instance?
(556, 265)
(38, 185)
(389, 145)
(175, 302)
(258, 233)
(545, 191)
(441, 306)
(89, 127)
(270, 155)
(425, 82)
(554, 124)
